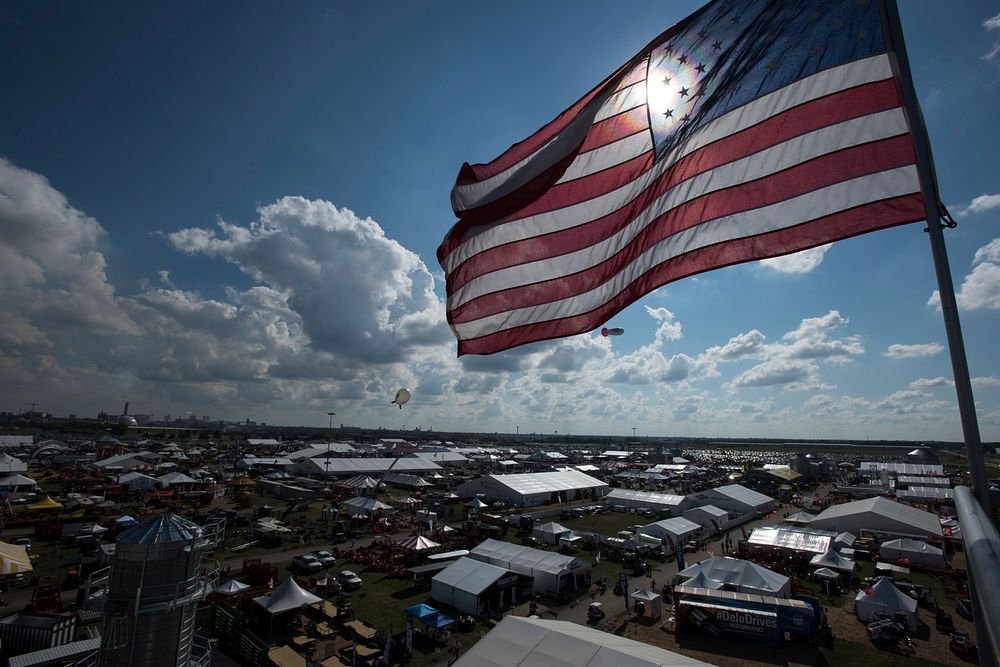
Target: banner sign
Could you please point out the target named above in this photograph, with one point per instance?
(728, 622)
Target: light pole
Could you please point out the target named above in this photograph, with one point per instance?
(327, 459)
(633, 432)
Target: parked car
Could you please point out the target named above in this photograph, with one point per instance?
(325, 557)
(349, 580)
(307, 563)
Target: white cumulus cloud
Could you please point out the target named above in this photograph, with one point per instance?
(914, 351)
(52, 273)
(786, 372)
(980, 289)
(794, 363)
(927, 383)
(803, 261)
(982, 203)
(669, 329)
(359, 293)
(740, 346)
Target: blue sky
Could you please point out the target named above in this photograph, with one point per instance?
(231, 209)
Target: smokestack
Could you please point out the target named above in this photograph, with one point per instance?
(125, 412)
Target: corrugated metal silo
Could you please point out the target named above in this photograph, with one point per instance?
(153, 595)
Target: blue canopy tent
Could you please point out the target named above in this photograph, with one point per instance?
(420, 611)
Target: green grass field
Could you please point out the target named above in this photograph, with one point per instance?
(865, 655)
(608, 523)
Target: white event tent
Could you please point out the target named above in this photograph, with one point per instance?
(553, 573)
(535, 488)
(550, 532)
(518, 641)
(914, 551)
(286, 597)
(834, 561)
(884, 597)
(463, 584)
(879, 516)
(736, 574)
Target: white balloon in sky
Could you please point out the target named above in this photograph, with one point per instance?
(402, 396)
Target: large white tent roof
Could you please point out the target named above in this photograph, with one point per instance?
(917, 469)
(915, 551)
(916, 546)
(747, 577)
(472, 576)
(367, 466)
(791, 537)
(532, 483)
(879, 514)
(650, 498)
(742, 494)
(519, 641)
(324, 449)
(677, 526)
(514, 556)
(917, 493)
(702, 581)
(442, 457)
(710, 509)
(176, 478)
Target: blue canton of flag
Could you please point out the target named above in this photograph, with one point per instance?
(731, 53)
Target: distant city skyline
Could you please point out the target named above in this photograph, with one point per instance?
(234, 211)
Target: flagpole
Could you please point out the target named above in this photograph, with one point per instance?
(946, 288)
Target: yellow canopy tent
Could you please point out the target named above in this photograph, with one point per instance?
(14, 559)
(46, 503)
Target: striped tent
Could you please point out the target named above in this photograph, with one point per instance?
(14, 559)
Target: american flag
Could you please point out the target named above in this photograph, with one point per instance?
(751, 129)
